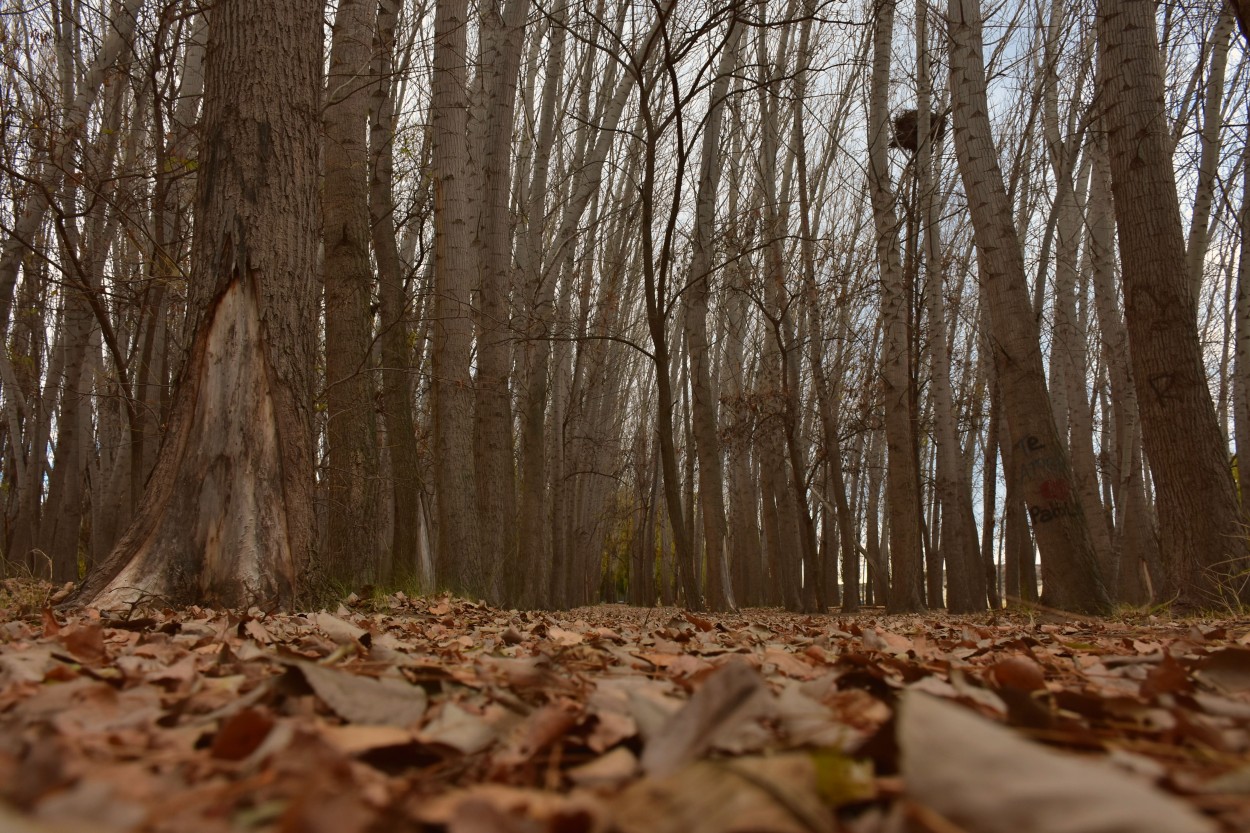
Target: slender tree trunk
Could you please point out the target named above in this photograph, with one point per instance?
(393, 308)
(352, 552)
(1209, 154)
(965, 578)
(502, 35)
(116, 47)
(459, 560)
(1241, 354)
(706, 433)
(1071, 575)
(1135, 544)
(902, 480)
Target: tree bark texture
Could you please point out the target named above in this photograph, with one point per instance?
(352, 552)
(459, 561)
(1070, 569)
(227, 517)
(902, 474)
(1202, 535)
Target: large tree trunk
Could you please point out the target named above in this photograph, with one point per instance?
(227, 518)
(1202, 534)
(1071, 575)
(352, 551)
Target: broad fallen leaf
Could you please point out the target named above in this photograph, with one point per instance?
(383, 701)
(989, 780)
(459, 729)
(726, 698)
(1227, 669)
(339, 630)
(778, 794)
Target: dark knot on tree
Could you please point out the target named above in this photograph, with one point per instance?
(907, 130)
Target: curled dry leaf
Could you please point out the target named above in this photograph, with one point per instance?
(1019, 673)
(727, 698)
(340, 631)
(610, 770)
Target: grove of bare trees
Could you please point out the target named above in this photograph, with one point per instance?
(552, 302)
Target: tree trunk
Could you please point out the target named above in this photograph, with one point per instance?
(1202, 534)
(352, 553)
(459, 561)
(502, 36)
(706, 429)
(965, 578)
(1071, 575)
(1135, 543)
(393, 309)
(1209, 153)
(902, 477)
(227, 517)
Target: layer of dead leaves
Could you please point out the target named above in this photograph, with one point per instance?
(438, 714)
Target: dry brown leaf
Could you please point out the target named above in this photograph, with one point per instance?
(989, 780)
(459, 729)
(320, 812)
(340, 631)
(778, 794)
(1227, 669)
(538, 730)
(357, 740)
(548, 811)
(29, 665)
(610, 770)
(383, 701)
(85, 642)
(1019, 673)
(727, 698)
(241, 734)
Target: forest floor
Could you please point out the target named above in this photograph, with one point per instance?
(436, 714)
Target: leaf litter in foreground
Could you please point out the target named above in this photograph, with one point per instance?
(402, 714)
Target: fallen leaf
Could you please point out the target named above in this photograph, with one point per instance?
(85, 642)
(27, 666)
(1227, 669)
(340, 631)
(241, 734)
(459, 729)
(1019, 673)
(610, 770)
(51, 627)
(538, 730)
(778, 794)
(382, 701)
(726, 698)
(357, 740)
(989, 780)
